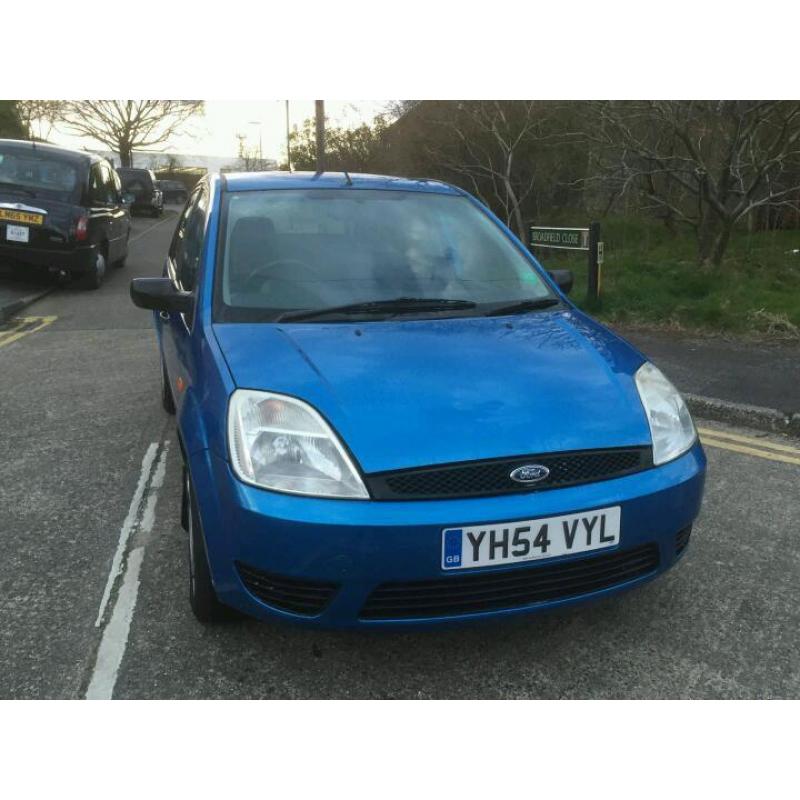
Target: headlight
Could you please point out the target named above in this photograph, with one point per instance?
(280, 443)
(671, 425)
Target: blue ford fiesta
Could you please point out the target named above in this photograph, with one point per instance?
(390, 414)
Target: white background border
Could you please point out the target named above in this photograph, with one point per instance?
(421, 50)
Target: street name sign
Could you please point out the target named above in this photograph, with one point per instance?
(586, 239)
(560, 238)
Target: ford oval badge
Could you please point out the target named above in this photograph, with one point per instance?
(530, 473)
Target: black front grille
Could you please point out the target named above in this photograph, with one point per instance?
(465, 594)
(682, 540)
(477, 478)
(289, 594)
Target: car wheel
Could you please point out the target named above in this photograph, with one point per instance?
(167, 400)
(93, 279)
(202, 595)
(155, 213)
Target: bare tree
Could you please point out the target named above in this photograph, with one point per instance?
(39, 117)
(250, 158)
(125, 125)
(486, 138)
(704, 163)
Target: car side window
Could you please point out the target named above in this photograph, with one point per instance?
(102, 186)
(96, 187)
(187, 244)
(115, 185)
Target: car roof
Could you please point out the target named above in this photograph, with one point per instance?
(249, 181)
(41, 147)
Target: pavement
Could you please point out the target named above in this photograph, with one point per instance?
(744, 372)
(81, 416)
(16, 293)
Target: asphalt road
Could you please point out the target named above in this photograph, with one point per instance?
(757, 373)
(80, 414)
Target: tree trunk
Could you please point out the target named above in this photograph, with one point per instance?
(713, 239)
(516, 211)
(125, 154)
(721, 244)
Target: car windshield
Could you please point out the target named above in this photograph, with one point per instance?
(38, 174)
(302, 249)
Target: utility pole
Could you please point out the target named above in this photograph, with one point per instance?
(260, 152)
(320, 107)
(288, 141)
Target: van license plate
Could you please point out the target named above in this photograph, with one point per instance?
(530, 540)
(17, 233)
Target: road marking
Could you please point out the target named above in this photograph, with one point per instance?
(737, 437)
(22, 326)
(127, 527)
(141, 518)
(115, 636)
(151, 228)
(752, 451)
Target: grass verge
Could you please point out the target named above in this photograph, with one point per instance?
(651, 278)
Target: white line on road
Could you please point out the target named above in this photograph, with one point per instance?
(127, 527)
(115, 634)
(150, 228)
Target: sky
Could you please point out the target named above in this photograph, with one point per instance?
(214, 134)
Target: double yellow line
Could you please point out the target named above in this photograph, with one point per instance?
(761, 448)
(22, 326)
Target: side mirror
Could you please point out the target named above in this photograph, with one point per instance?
(563, 278)
(160, 294)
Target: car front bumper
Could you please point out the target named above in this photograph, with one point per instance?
(303, 544)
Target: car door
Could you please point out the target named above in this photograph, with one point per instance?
(100, 216)
(182, 266)
(121, 224)
(107, 215)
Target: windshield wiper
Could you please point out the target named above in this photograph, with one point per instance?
(397, 305)
(523, 305)
(16, 187)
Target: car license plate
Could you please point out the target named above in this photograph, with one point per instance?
(12, 215)
(530, 540)
(17, 233)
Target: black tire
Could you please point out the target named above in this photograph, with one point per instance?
(167, 400)
(202, 597)
(93, 280)
(156, 213)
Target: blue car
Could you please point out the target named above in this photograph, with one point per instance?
(390, 414)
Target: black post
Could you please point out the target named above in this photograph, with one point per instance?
(320, 108)
(593, 288)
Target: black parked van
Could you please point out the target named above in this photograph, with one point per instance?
(173, 191)
(61, 210)
(142, 184)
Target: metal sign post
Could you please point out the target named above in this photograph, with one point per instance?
(587, 239)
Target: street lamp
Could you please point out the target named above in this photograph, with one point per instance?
(288, 141)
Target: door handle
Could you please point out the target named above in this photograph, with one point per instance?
(164, 315)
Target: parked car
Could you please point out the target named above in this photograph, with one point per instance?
(173, 191)
(62, 211)
(390, 414)
(142, 184)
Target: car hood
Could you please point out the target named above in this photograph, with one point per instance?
(413, 393)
